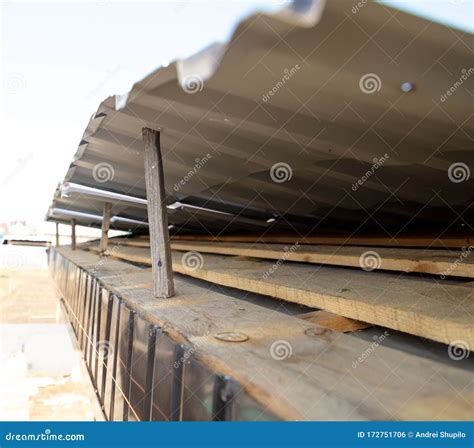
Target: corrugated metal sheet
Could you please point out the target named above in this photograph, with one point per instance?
(282, 123)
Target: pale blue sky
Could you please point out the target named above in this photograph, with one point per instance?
(60, 59)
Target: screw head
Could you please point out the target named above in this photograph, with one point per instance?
(407, 87)
(231, 336)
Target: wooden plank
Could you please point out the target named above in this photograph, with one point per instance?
(445, 263)
(437, 310)
(316, 375)
(73, 234)
(57, 234)
(104, 237)
(415, 241)
(334, 322)
(157, 215)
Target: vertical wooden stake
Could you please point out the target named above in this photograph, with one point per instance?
(57, 234)
(73, 234)
(104, 238)
(157, 216)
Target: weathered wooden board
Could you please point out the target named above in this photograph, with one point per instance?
(459, 263)
(333, 321)
(296, 369)
(157, 216)
(434, 309)
(415, 241)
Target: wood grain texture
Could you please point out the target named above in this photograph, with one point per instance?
(458, 263)
(157, 215)
(430, 308)
(334, 322)
(405, 241)
(73, 234)
(104, 236)
(57, 234)
(330, 376)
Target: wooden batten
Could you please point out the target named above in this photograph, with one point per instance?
(157, 215)
(104, 237)
(73, 234)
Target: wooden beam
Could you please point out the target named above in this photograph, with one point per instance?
(157, 215)
(447, 263)
(406, 241)
(104, 237)
(426, 307)
(57, 234)
(73, 234)
(290, 369)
